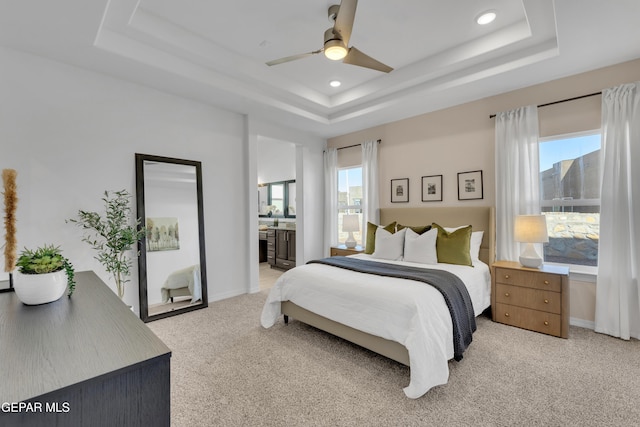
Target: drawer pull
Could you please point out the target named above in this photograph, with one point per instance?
(506, 276)
(506, 315)
(286, 263)
(546, 301)
(506, 294)
(546, 282)
(546, 323)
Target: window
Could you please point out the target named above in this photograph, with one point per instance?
(570, 197)
(349, 199)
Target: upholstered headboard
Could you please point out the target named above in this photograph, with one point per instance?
(481, 219)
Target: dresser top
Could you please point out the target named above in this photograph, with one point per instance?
(47, 347)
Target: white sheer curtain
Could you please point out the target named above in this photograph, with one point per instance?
(330, 199)
(617, 299)
(371, 208)
(517, 172)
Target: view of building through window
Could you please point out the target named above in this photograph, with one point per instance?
(349, 200)
(570, 198)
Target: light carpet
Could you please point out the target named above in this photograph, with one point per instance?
(226, 370)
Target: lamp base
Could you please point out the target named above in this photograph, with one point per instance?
(531, 262)
(351, 241)
(530, 258)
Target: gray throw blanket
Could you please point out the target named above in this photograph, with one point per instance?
(450, 286)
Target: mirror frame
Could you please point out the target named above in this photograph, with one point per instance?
(142, 243)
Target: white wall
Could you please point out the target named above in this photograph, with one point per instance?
(276, 160)
(72, 133)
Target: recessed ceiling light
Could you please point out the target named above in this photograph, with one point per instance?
(334, 83)
(486, 17)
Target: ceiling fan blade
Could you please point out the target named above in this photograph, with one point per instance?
(292, 58)
(355, 57)
(344, 20)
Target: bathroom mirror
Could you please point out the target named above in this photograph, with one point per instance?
(172, 263)
(277, 199)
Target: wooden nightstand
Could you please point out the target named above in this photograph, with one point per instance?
(531, 298)
(342, 250)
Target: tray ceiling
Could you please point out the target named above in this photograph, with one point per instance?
(215, 52)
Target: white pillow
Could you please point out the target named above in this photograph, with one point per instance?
(421, 247)
(389, 246)
(474, 244)
(476, 241)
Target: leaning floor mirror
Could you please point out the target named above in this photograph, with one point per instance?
(171, 266)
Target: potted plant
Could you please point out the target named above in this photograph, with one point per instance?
(112, 235)
(44, 274)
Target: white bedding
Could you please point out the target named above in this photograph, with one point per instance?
(188, 277)
(421, 320)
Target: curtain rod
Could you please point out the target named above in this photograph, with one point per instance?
(561, 101)
(355, 145)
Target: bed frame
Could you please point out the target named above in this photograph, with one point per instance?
(480, 218)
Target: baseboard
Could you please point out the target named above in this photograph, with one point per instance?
(587, 324)
(224, 295)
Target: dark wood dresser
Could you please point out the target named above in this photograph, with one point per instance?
(86, 360)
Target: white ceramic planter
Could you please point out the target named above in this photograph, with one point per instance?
(34, 289)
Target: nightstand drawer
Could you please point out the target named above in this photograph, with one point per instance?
(529, 298)
(342, 250)
(539, 321)
(530, 279)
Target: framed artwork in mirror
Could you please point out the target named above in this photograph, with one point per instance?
(400, 190)
(470, 185)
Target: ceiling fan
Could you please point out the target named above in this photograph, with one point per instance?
(336, 41)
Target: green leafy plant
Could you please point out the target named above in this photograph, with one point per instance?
(113, 235)
(46, 259)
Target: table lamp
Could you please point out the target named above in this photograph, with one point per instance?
(530, 229)
(350, 223)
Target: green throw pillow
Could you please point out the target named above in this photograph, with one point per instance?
(418, 229)
(370, 245)
(453, 247)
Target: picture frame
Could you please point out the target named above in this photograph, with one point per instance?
(400, 190)
(470, 185)
(162, 234)
(432, 188)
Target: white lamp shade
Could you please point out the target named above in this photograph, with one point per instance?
(531, 229)
(350, 223)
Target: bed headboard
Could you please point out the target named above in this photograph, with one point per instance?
(481, 218)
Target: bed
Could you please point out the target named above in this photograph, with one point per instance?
(183, 283)
(320, 296)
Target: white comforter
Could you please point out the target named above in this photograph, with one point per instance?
(409, 312)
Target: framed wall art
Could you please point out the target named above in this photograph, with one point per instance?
(470, 185)
(432, 188)
(400, 190)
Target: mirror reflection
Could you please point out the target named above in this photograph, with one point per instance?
(277, 199)
(172, 262)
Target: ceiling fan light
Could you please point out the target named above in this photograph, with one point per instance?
(335, 50)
